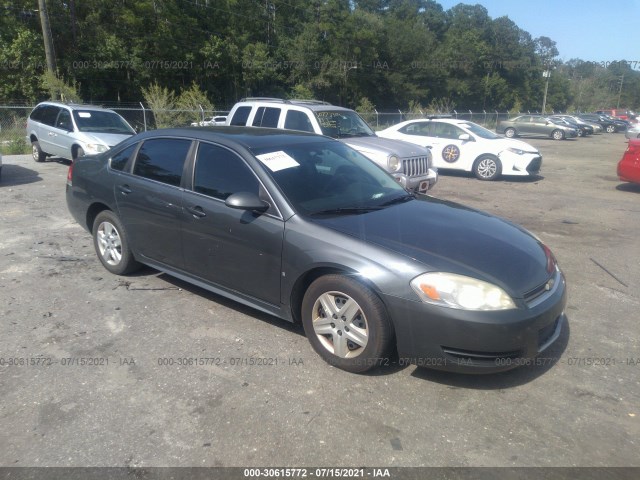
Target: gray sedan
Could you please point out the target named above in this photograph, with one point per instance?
(535, 125)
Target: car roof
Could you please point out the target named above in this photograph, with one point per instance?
(247, 137)
(76, 106)
(453, 121)
(313, 105)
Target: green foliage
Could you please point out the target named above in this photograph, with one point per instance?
(162, 102)
(189, 103)
(393, 52)
(367, 110)
(58, 88)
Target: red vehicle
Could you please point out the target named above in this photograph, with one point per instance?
(629, 166)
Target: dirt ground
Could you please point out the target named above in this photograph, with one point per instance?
(95, 369)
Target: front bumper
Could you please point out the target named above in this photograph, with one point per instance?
(476, 342)
(514, 164)
(420, 183)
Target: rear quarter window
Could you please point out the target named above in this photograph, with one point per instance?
(241, 116)
(120, 159)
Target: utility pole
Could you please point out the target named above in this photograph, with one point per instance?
(46, 33)
(546, 73)
(620, 91)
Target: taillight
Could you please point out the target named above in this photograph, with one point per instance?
(70, 175)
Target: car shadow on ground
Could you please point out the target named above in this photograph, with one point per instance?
(505, 179)
(13, 175)
(531, 370)
(629, 187)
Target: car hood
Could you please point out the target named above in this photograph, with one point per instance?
(385, 145)
(108, 139)
(504, 143)
(449, 237)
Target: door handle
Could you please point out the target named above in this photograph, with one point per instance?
(51, 134)
(124, 189)
(196, 211)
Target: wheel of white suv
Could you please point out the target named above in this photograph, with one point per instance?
(36, 152)
(346, 323)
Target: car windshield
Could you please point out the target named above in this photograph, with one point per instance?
(101, 122)
(330, 178)
(480, 131)
(343, 124)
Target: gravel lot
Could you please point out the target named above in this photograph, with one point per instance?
(138, 407)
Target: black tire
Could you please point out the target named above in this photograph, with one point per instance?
(487, 168)
(510, 133)
(557, 135)
(611, 128)
(37, 153)
(581, 133)
(79, 152)
(364, 333)
(112, 245)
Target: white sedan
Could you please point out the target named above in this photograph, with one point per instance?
(462, 145)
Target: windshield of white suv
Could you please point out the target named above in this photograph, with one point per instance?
(101, 122)
(343, 124)
(480, 131)
(329, 178)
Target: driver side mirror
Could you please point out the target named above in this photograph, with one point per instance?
(465, 137)
(246, 201)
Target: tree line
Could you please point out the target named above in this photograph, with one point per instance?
(387, 54)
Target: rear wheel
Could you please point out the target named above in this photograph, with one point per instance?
(112, 245)
(557, 134)
(510, 132)
(346, 323)
(487, 167)
(611, 128)
(36, 152)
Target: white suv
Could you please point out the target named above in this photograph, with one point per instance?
(409, 164)
(70, 131)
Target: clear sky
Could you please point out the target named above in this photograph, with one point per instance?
(593, 30)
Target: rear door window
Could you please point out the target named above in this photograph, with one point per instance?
(266, 117)
(48, 115)
(162, 160)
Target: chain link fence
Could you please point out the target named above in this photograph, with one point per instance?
(13, 120)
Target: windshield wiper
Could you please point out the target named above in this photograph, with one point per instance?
(400, 199)
(347, 210)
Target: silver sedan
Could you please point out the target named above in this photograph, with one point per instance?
(633, 131)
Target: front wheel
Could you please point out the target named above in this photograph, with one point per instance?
(487, 168)
(510, 132)
(112, 245)
(557, 134)
(346, 323)
(79, 152)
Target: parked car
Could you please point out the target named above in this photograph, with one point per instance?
(609, 126)
(596, 127)
(633, 131)
(621, 125)
(409, 164)
(583, 128)
(462, 145)
(219, 120)
(535, 125)
(306, 228)
(71, 131)
(619, 113)
(629, 165)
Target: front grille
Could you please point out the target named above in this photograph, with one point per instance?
(542, 292)
(416, 166)
(534, 165)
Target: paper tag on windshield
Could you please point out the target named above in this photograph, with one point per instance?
(276, 161)
(84, 114)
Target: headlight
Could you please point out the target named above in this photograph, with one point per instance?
(394, 163)
(96, 147)
(517, 151)
(457, 291)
